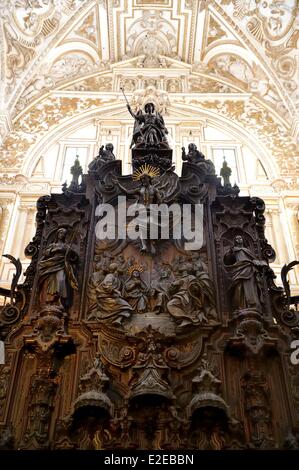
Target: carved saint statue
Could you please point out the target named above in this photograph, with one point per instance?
(149, 128)
(56, 271)
(135, 291)
(193, 155)
(106, 155)
(244, 271)
(109, 304)
(207, 290)
(187, 297)
(196, 157)
(160, 289)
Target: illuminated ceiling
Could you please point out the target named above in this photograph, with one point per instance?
(63, 58)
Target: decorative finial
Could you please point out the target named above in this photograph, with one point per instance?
(225, 173)
(76, 171)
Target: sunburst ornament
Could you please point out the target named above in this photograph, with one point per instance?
(145, 169)
(134, 267)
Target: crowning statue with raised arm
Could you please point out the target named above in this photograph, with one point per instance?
(149, 129)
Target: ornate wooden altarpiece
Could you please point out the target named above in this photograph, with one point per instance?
(142, 344)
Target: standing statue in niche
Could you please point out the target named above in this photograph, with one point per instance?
(107, 303)
(245, 273)
(149, 128)
(56, 271)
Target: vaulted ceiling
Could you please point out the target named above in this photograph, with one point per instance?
(240, 58)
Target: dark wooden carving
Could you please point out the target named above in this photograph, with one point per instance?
(144, 344)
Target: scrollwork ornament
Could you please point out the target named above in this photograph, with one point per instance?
(127, 354)
(9, 315)
(290, 318)
(32, 248)
(172, 354)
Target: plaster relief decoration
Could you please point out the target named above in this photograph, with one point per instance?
(272, 18)
(27, 28)
(97, 83)
(252, 78)
(71, 65)
(151, 95)
(261, 123)
(64, 69)
(36, 87)
(215, 31)
(272, 26)
(173, 85)
(17, 57)
(201, 84)
(30, 127)
(87, 29)
(29, 16)
(150, 37)
(26, 24)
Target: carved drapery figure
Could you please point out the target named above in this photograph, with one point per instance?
(147, 194)
(151, 368)
(135, 291)
(4, 379)
(244, 271)
(154, 189)
(56, 271)
(105, 155)
(193, 155)
(107, 303)
(196, 157)
(258, 408)
(41, 396)
(149, 128)
(160, 290)
(186, 304)
(208, 295)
